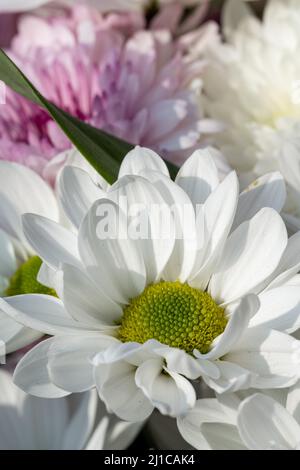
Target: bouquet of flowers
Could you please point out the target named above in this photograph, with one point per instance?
(149, 224)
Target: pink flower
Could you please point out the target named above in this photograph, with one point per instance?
(137, 88)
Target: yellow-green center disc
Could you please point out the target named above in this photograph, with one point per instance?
(24, 281)
(174, 314)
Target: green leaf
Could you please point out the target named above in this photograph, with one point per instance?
(102, 150)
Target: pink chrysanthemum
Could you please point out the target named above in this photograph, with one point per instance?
(133, 84)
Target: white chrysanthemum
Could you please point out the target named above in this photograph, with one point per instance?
(141, 318)
(74, 423)
(253, 86)
(268, 421)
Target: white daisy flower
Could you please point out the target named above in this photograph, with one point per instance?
(252, 85)
(73, 423)
(142, 318)
(268, 421)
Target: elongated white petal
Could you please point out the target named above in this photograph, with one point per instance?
(16, 199)
(198, 176)
(43, 313)
(206, 410)
(272, 357)
(117, 388)
(289, 264)
(183, 363)
(219, 210)
(251, 254)
(264, 424)
(267, 191)
(8, 263)
(142, 159)
(181, 259)
(232, 378)
(221, 436)
(115, 263)
(15, 335)
(70, 361)
(85, 301)
(82, 422)
(171, 393)
(279, 309)
(77, 192)
(236, 326)
(51, 241)
(31, 373)
(150, 221)
(293, 401)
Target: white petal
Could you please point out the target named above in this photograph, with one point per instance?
(183, 363)
(279, 309)
(114, 262)
(272, 357)
(51, 241)
(111, 432)
(31, 373)
(8, 263)
(219, 210)
(251, 254)
(289, 264)
(206, 410)
(180, 261)
(117, 388)
(43, 313)
(147, 210)
(198, 176)
(46, 421)
(171, 393)
(232, 378)
(16, 199)
(15, 335)
(236, 326)
(85, 301)
(77, 192)
(70, 361)
(264, 424)
(221, 436)
(293, 401)
(267, 191)
(140, 159)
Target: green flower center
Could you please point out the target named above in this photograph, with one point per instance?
(24, 281)
(174, 314)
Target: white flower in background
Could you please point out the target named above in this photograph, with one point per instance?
(253, 86)
(141, 318)
(102, 5)
(232, 422)
(21, 190)
(73, 423)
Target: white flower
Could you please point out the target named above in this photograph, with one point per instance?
(268, 421)
(74, 423)
(103, 5)
(141, 318)
(253, 86)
